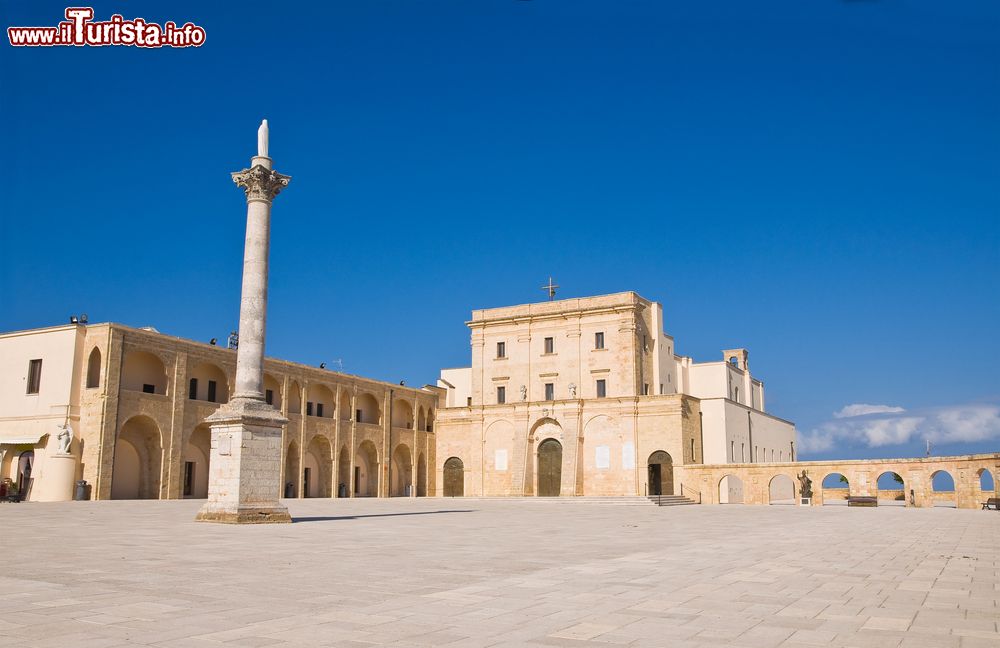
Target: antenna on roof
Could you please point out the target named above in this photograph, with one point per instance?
(551, 288)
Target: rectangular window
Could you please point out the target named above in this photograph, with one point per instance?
(319, 409)
(602, 388)
(692, 450)
(193, 389)
(732, 452)
(550, 391)
(148, 389)
(550, 345)
(357, 415)
(188, 478)
(599, 340)
(211, 391)
(501, 395)
(501, 349)
(468, 401)
(34, 376)
(269, 396)
(645, 389)
(309, 408)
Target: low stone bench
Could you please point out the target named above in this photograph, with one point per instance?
(856, 500)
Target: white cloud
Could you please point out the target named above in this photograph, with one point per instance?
(860, 409)
(876, 426)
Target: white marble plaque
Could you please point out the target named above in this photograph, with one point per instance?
(500, 461)
(602, 457)
(225, 445)
(628, 456)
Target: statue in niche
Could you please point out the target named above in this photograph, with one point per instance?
(805, 485)
(572, 390)
(65, 438)
(524, 393)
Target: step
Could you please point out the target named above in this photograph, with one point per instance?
(670, 500)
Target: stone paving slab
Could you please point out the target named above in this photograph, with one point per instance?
(480, 573)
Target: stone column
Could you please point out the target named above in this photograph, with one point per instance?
(245, 467)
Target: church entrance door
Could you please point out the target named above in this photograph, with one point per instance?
(661, 473)
(549, 468)
(454, 478)
(655, 488)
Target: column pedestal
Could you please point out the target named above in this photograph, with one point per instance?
(57, 485)
(245, 465)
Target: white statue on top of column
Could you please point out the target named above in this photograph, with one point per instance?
(262, 139)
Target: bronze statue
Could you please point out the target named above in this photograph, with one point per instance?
(805, 485)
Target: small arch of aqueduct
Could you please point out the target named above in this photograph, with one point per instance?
(921, 481)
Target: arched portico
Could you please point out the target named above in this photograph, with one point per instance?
(401, 470)
(366, 471)
(197, 452)
(318, 467)
(138, 460)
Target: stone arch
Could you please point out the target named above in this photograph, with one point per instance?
(421, 418)
(430, 420)
(498, 450)
(781, 490)
(320, 401)
(346, 413)
(421, 475)
(890, 489)
(836, 488)
(294, 397)
(344, 472)
(318, 461)
(454, 477)
(943, 491)
(208, 382)
(401, 471)
(138, 460)
(94, 369)
(272, 385)
(291, 486)
(368, 409)
(985, 479)
(731, 490)
(366, 471)
(402, 414)
(195, 463)
(144, 372)
(660, 473)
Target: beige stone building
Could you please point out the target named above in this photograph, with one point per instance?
(136, 401)
(589, 397)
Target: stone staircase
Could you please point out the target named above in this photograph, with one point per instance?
(670, 500)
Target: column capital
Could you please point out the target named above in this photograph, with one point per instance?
(260, 183)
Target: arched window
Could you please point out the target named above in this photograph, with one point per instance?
(94, 369)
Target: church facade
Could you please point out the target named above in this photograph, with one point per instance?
(588, 397)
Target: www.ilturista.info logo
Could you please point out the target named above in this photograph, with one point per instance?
(79, 30)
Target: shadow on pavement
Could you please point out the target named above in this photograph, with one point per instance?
(332, 518)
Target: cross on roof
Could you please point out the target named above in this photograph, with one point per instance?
(551, 288)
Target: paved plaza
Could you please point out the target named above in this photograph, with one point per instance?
(456, 572)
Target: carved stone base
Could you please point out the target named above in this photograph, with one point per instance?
(246, 516)
(244, 475)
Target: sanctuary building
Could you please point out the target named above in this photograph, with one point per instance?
(588, 397)
(573, 397)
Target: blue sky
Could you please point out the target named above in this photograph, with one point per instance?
(816, 181)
